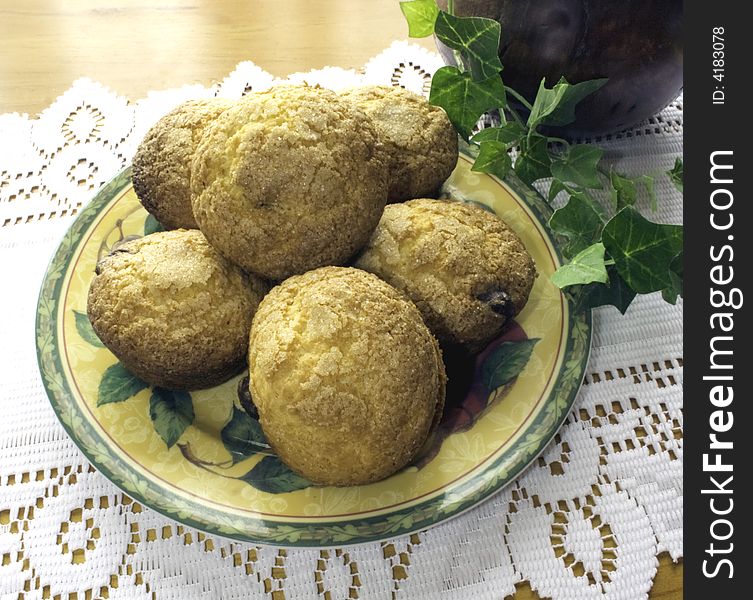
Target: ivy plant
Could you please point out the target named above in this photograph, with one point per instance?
(611, 251)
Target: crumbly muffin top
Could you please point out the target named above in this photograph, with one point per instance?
(418, 137)
(162, 163)
(171, 308)
(457, 262)
(289, 179)
(345, 375)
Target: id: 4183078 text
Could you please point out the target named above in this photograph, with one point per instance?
(717, 63)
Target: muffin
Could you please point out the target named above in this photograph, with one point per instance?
(419, 139)
(288, 180)
(173, 310)
(347, 379)
(162, 164)
(466, 271)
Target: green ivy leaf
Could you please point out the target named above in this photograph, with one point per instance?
(421, 16)
(506, 362)
(118, 384)
(579, 166)
(674, 290)
(622, 190)
(676, 174)
(579, 221)
(493, 158)
(615, 292)
(586, 267)
(171, 412)
(273, 476)
(648, 183)
(534, 161)
(477, 40)
(152, 225)
(242, 436)
(555, 188)
(85, 329)
(463, 99)
(642, 250)
(556, 106)
(509, 133)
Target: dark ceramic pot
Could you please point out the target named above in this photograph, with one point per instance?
(636, 44)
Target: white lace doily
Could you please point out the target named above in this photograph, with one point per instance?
(587, 520)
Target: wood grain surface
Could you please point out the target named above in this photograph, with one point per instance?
(133, 47)
(137, 46)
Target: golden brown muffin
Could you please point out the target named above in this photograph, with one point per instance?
(173, 310)
(288, 180)
(420, 140)
(347, 379)
(467, 272)
(162, 164)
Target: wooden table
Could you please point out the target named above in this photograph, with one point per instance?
(133, 47)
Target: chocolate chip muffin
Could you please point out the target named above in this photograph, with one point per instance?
(174, 311)
(288, 180)
(162, 164)
(347, 379)
(419, 139)
(465, 269)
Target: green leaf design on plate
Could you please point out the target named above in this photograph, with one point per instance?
(579, 166)
(477, 40)
(676, 174)
(85, 329)
(642, 250)
(506, 362)
(421, 16)
(152, 225)
(273, 476)
(242, 436)
(580, 222)
(118, 384)
(586, 267)
(171, 412)
(493, 158)
(509, 133)
(463, 99)
(534, 161)
(556, 106)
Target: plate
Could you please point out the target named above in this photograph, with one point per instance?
(493, 426)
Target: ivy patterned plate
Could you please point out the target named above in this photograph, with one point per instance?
(198, 458)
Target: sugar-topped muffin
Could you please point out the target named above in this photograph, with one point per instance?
(465, 269)
(162, 163)
(288, 180)
(347, 379)
(420, 141)
(174, 311)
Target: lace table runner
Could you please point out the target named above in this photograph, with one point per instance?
(587, 520)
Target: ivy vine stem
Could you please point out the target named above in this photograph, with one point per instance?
(516, 116)
(518, 97)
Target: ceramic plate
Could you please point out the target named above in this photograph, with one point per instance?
(496, 421)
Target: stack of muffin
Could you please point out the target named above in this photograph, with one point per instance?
(265, 200)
